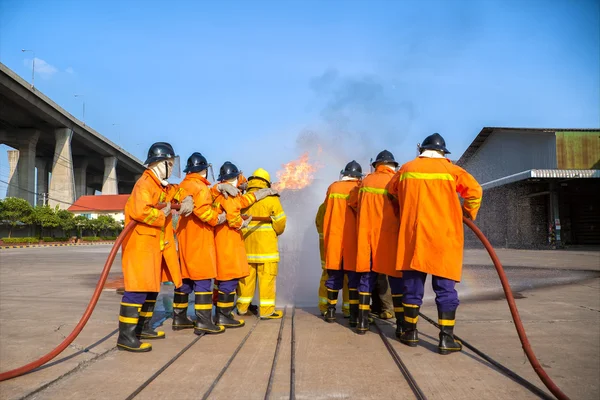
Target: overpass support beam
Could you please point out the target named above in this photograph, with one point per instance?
(22, 166)
(81, 165)
(41, 164)
(62, 184)
(13, 175)
(110, 184)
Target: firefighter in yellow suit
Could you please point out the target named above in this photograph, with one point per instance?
(322, 289)
(260, 239)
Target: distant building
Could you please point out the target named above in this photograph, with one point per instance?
(541, 186)
(93, 206)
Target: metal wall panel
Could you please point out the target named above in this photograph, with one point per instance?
(509, 152)
(578, 150)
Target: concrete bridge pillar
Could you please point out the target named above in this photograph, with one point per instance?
(41, 164)
(22, 165)
(110, 184)
(81, 165)
(13, 175)
(62, 184)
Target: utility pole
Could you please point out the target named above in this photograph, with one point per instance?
(32, 67)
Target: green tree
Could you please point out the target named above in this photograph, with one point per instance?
(14, 211)
(67, 221)
(81, 222)
(94, 225)
(45, 217)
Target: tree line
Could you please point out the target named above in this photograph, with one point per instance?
(16, 212)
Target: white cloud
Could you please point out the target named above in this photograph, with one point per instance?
(42, 68)
(70, 70)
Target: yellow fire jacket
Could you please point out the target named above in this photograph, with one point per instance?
(260, 238)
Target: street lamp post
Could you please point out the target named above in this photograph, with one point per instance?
(32, 67)
(83, 116)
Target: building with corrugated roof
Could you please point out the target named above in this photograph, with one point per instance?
(541, 186)
(93, 206)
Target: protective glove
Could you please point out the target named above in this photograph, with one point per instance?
(227, 190)
(187, 206)
(246, 222)
(243, 187)
(262, 193)
(167, 209)
(221, 218)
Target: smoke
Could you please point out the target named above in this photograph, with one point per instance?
(359, 117)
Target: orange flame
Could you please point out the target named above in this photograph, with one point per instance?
(296, 174)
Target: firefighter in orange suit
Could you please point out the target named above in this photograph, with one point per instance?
(260, 239)
(197, 253)
(322, 289)
(378, 235)
(149, 253)
(430, 239)
(339, 235)
(232, 263)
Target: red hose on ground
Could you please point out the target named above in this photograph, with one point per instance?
(515, 314)
(88, 311)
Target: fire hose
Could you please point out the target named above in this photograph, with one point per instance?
(512, 305)
(109, 261)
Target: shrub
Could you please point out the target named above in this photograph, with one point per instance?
(109, 238)
(21, 240)
(91, 239)
(55, 239)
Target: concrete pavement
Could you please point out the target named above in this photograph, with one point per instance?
(43, 293)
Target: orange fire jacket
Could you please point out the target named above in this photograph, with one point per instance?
(195, 233)
(149, 253)
(431, 229)
(232, 262)
(334, 224)
(377, 225)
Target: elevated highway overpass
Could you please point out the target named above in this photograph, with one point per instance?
(56, 155)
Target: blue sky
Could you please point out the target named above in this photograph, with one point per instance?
(258, 82)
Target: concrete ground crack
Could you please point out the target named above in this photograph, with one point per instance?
(588, 308)
(81, 366)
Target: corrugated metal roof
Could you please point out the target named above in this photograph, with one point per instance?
(543, 174)
(488, 130)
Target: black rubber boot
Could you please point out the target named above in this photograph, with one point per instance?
(180, 306)
(410, 334)
(353, 307)
(399, 311)
(447, 343)
(364, 307)
(144, 330)
(224, 316)
(203, 308)
(332, 296)
(128, 321)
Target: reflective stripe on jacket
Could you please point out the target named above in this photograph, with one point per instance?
(149, 253)
(431, 228)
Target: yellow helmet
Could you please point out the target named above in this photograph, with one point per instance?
(261, 174)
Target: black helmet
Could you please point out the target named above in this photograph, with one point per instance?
(384, 157)
(434, 142)
(228, 171)
(196, 163)
(160, 151)
(352, 169)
